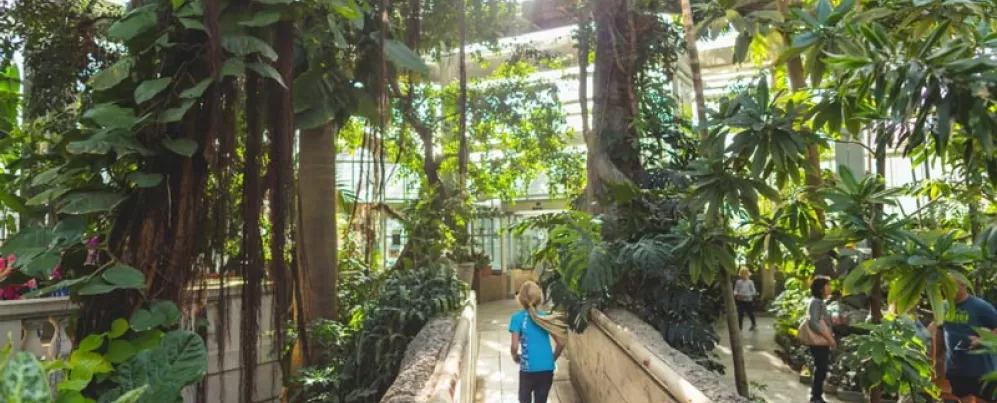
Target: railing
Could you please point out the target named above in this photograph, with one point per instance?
(455, 378)
(37, 326)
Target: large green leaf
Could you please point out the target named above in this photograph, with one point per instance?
(48, 196)
(99, 286)
(168, 310)
(176, 114)
(145, 180)
(43, 265)
(245, 45)
(191, 23)
(348, 9)
(57, 286)
(402, 56)
(134, 23)
(14, 202)
(233, 67)
(144, 319)
(267, 71)
(183, 146)
(197, 90)
(91, 202)
(29, 242)
(114, 75)
(119, 351)
(24, 380)
(148, 89)
(10, 98)
(124, 276)
(89, 362)
(337, 32)
(133, 395)
(262, 18)
(91, 342)
(104, 141)
(180, 360)
(111, 116)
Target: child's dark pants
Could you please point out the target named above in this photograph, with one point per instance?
(535, 386)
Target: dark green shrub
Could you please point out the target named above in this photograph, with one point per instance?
(365, 355)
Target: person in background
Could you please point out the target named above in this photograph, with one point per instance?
(964, 368)
(744, 293)
(531, 347)
(818, 319)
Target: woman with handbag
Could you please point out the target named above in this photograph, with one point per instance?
(815, 332)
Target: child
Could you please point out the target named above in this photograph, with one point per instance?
(744, 292)
(531, 346)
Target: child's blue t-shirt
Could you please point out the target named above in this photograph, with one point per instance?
(958, 327)
(537, 354)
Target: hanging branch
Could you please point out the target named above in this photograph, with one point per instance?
(281, 116)
(251, 255)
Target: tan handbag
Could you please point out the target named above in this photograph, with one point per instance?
(808, 337)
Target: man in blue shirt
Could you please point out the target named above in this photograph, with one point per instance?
(963, 367)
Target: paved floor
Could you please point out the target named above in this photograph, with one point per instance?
(498, 375)
(781, 383)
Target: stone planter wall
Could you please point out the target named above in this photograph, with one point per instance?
(618, 360)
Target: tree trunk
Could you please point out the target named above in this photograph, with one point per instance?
(584, 39)
(730, 306)
(462, 153)
(768, 282)
(694, 68)
(319, 249)
(797, 81)
(876, 294)
(736, 348)
(612, 145)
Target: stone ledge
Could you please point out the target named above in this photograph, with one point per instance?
(436, 359)
(683, 377)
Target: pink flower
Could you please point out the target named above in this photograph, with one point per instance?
(93, 255)
(32, 284)
(10, 293)
(57, 272)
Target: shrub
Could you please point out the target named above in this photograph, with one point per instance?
(365, 354)
(890, 355)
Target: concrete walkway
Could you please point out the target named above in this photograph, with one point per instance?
(782, 384)
(498, 375)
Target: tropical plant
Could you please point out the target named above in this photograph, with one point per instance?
(988, 341)
(852, 205)
(631, 263)
(764, 129)
(891, 356)
(923, 267)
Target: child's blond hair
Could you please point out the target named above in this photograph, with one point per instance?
(530, 295)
